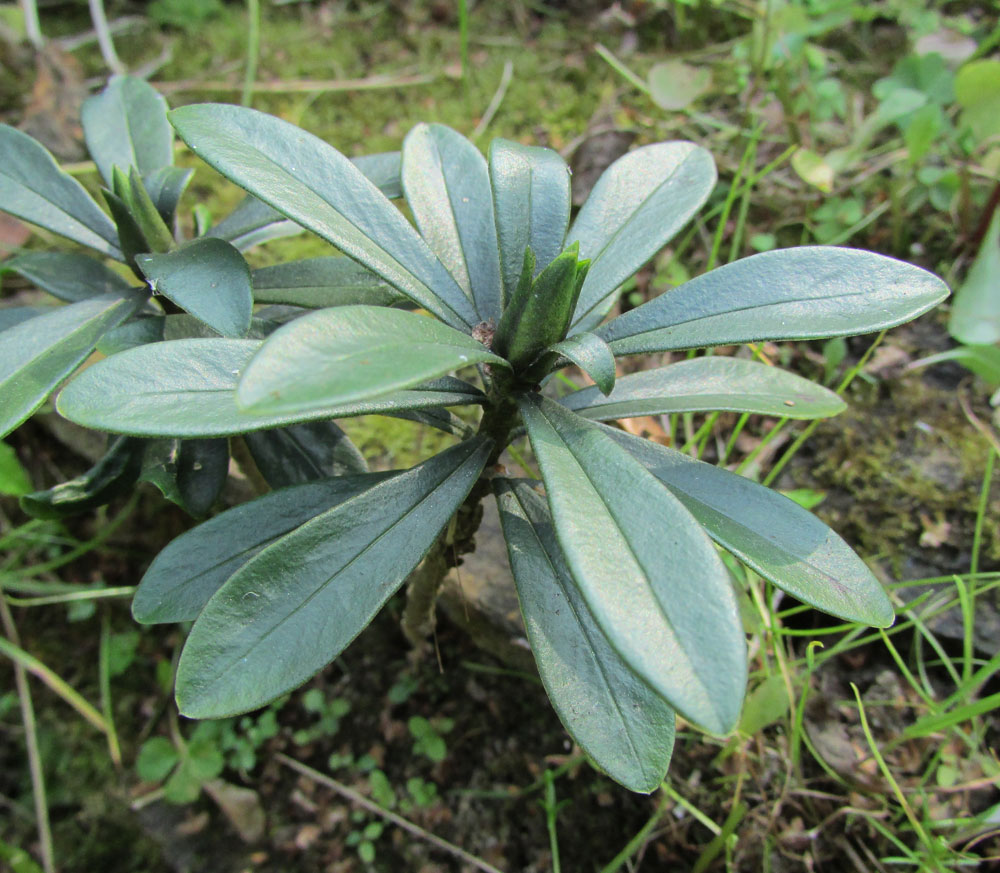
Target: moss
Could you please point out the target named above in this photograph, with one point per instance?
(902, 460)
(394, 443)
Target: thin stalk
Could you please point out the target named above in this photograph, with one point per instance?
(104, 670)
(72, 596)
(551, 817)
(31, 743)
(32, 26)
(807, 431)
(977, 534)
(746, 161)
(636, 843)
(362, 801)
(463, 37)
(253, 51)
(104, 40)
(887, 775)
(56, 683)
(731, 444)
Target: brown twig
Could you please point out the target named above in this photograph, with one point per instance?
(362, 801)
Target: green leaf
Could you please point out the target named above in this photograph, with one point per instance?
(384, 171)
(540, 310)
(984, 361)
(351, 353)
(975, 311)
(447, 187)
(209, 279)
(298, 603)
(977, 90)
(132, 193)
(769, 533)
(131, 239)
(588, 351)
(674, 85)
(703, 384)
(14, 479)
(303, 453)
(136, 332)
(187, 388)
(648, 573)
(33, 187)
(801, 293)
(37, 354)
(315, 185)
(193, 567)
(636, 207)
(317, 283)
(531, 202)
(251, 223)
(156, 759)
(67, 276)
(165, 187)
(10, 316)
(190, 473)
(607, 709)
(112, 475)
(126, 126)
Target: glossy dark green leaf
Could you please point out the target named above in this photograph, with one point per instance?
(136, 332)
(67, 276)
(33, 187)
(540, 310)
(531, 202)
(317, 283)
(37, 354)
(384, 171)
(447, 187)
(636, 207)
(770, 533)
(303, 453)
(252, 223)
(131, 239)
(126, 126)
(710, 383)
(192, 568)
(14, 315)
(975, 311)
(314, 184)
(209, 279)
(187, 388)
(801, 293)
(650, 576)
(352, 353)
(166, 186)
(622, 725)
(131, 191)
(298, 603)
(190, 473)
(589, 352)
(112, 475)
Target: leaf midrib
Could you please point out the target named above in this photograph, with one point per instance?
(343, 568)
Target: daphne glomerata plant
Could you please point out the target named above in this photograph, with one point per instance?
(629, 609)
(109, 308)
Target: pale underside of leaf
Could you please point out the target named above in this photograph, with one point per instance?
(802, 293)
(708, 383)
(187, 388)
(650, 576)
(298, 603)
(625, 727)
(770, 533)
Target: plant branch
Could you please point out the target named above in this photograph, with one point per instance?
(31, 742)
(362, 801)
